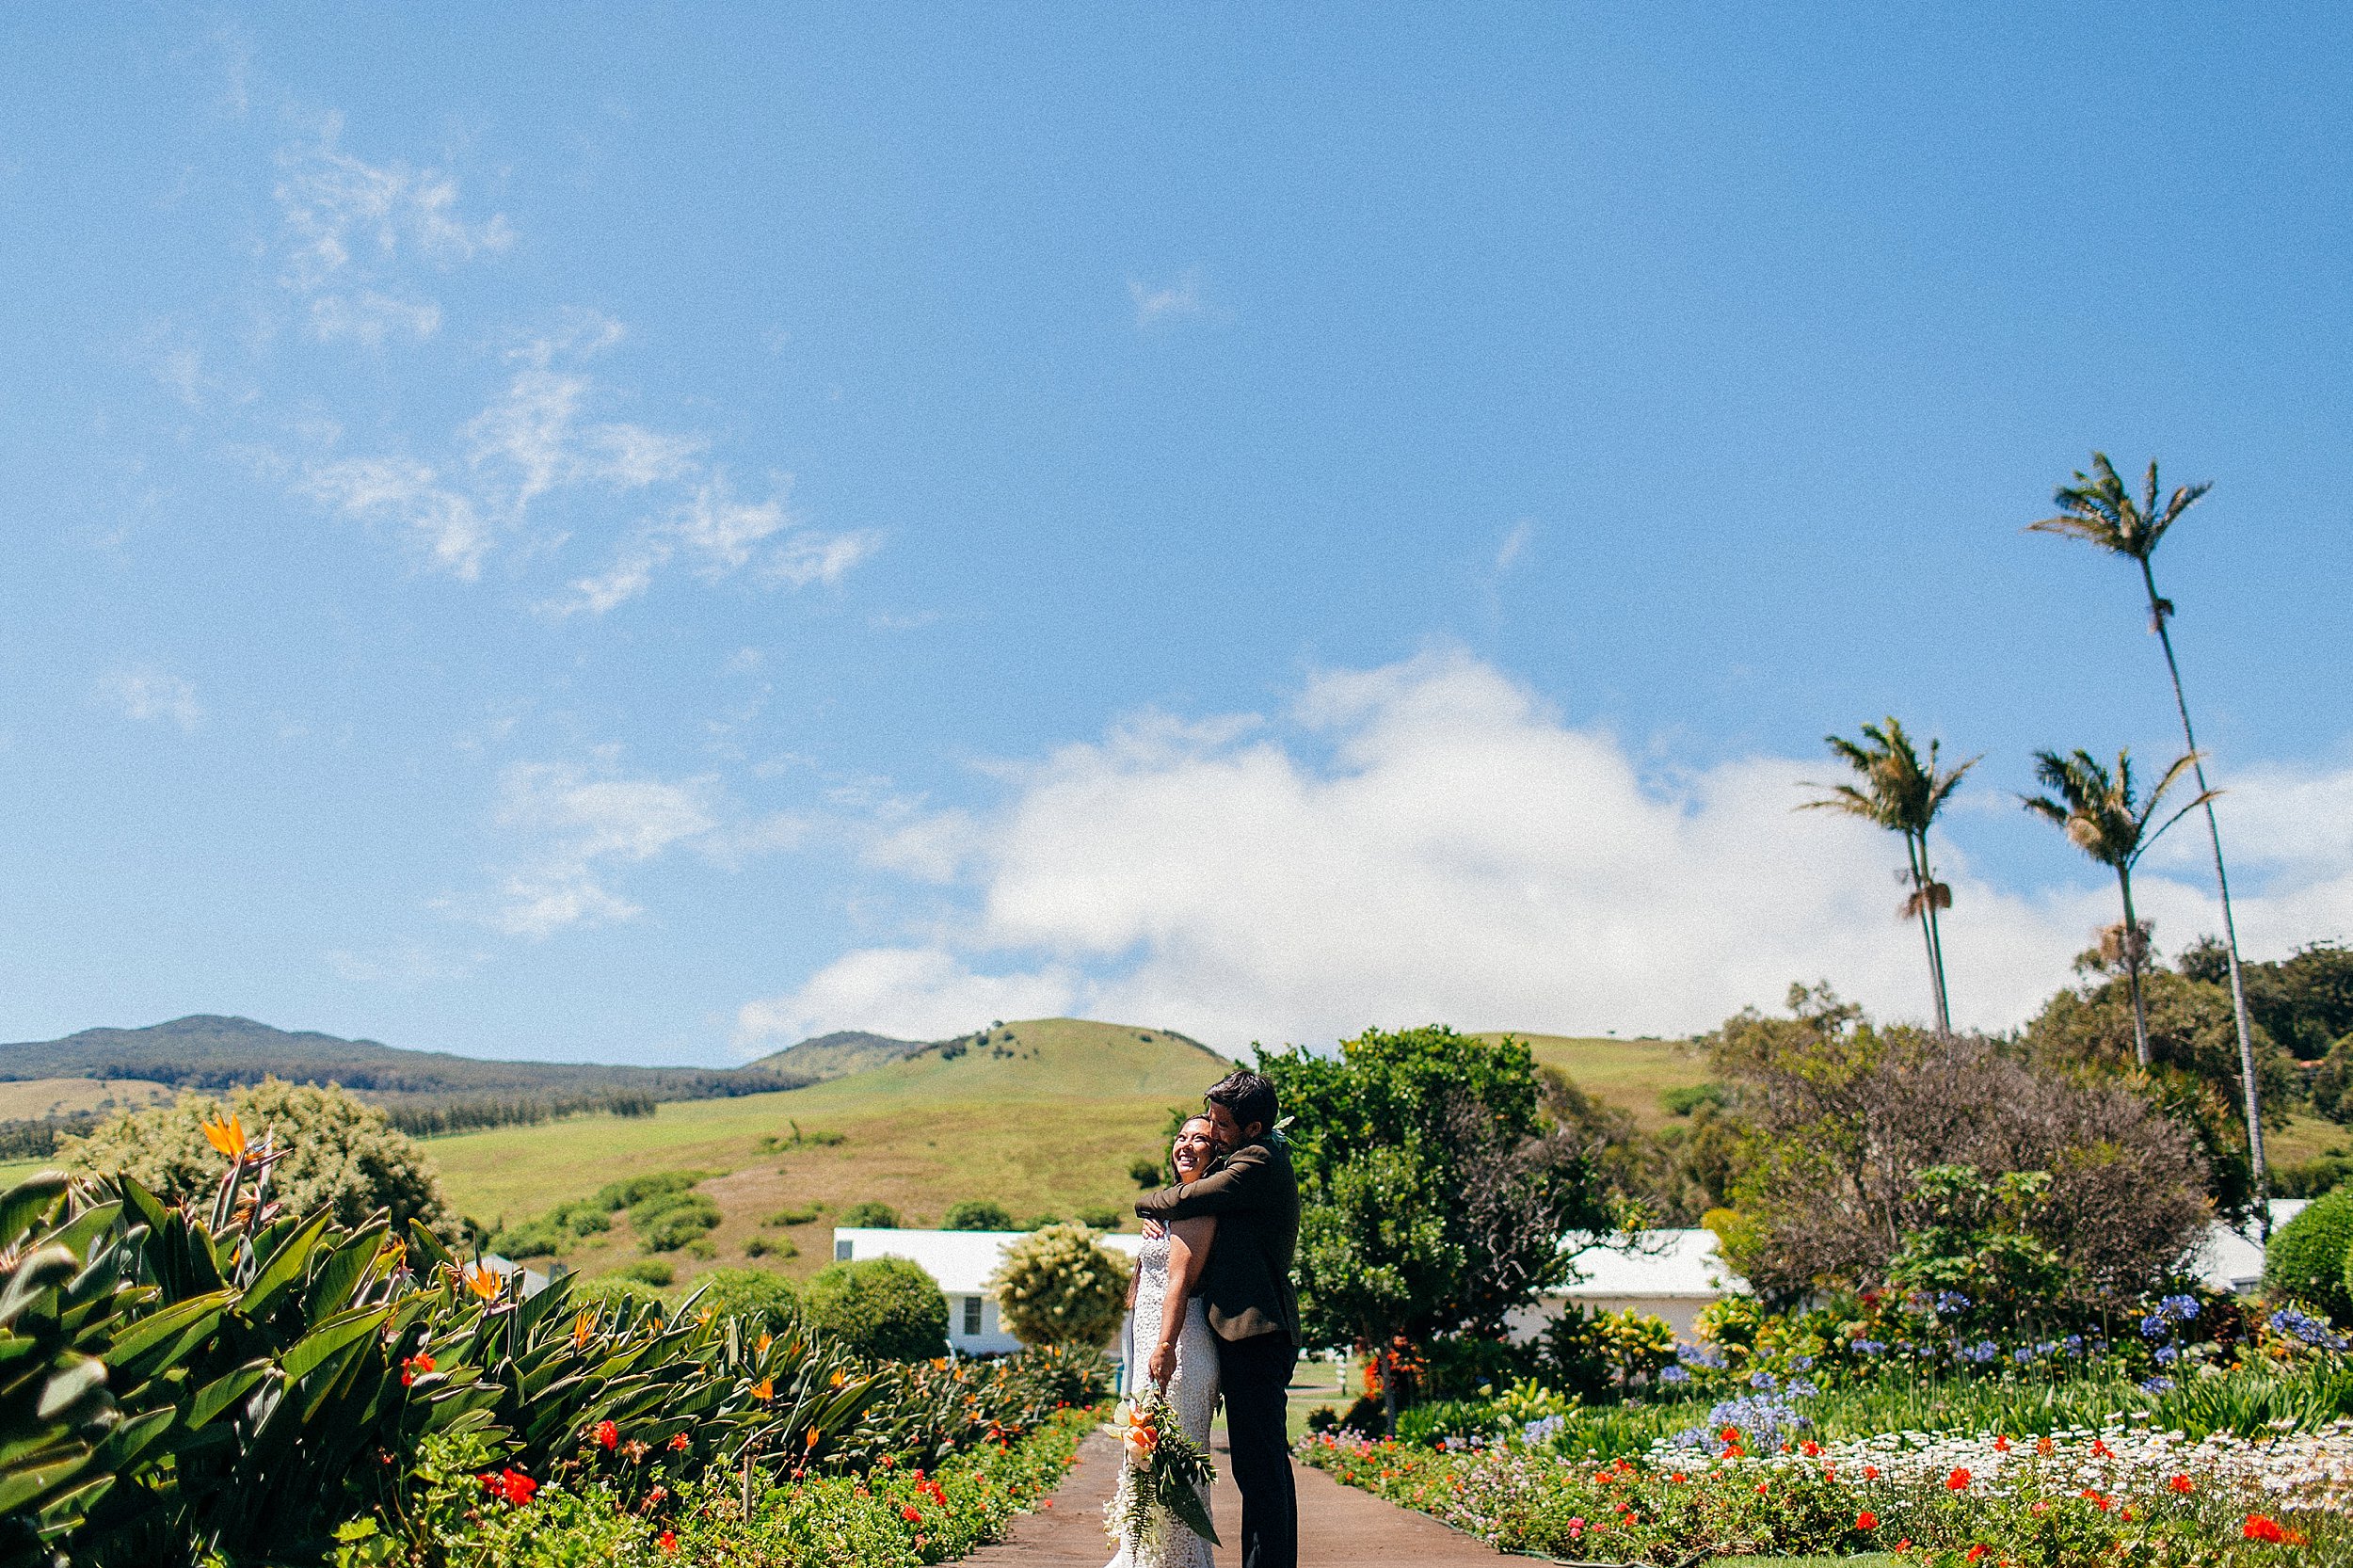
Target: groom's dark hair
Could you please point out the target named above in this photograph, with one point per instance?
(1249, 1097)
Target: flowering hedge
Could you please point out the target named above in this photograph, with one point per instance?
(895, 1516)
(2072, 1501)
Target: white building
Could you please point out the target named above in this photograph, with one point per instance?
(962, 1262)
(1666, 1273)
(2231, 1260)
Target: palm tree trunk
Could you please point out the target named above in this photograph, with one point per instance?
(1918, 858)
(2132, 971)
(2257, 1182)
(1936, 941)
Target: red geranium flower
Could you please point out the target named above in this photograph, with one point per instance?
(667, 1541)
(2259, 1528)
(1957, 1481)
(608, 1435)
(909, 1513)
(2182, 1485)
(1866, 1520)
(679, 1443)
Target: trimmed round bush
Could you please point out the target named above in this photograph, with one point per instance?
(883, 1307)
(870, 1216)
(1057, 1286)
(2307, 1258)
(978, 1214)
(758, 1295)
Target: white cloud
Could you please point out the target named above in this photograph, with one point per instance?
(589, 822)
(914, 993)
(715, 535)
(1156, 304)
(347, 226)
(1514, 545)
(151, 695)
(444, 521)
(1428, 841)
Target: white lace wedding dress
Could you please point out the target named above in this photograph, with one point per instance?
(1191, 1394)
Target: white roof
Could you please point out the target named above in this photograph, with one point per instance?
(960, 1260)
(1655, 1263)
(2226, 1260)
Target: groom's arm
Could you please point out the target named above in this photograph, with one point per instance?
(1245, 1181)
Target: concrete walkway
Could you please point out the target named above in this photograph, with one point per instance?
(1338, 1525)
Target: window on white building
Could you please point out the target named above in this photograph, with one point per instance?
(972, 1317)
(841, 1251)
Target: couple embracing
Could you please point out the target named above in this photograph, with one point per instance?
(1215, 1313)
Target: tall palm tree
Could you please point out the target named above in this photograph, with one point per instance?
(2101, 817)
(2100, 510)
(1902, 794)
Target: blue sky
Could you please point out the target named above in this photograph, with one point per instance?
(643, 536)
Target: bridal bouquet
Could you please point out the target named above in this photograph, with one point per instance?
(1164, 1469)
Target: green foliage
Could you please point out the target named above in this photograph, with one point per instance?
(633, 1190)
(1600, 1354)
(646, 1271)
(619, 1291)
(795, 1214)
(1148, 1174)
(977, 1214)
(1690, 1097)
(1434, 1189)
(665, 1222)
(870, 1216)
(1100, 1216)
(1976, 1237)
(760, 1296)
(2307, 1257)
(1057, 1286)
(337, 1152)
(2304, 1001)
(884, 1307)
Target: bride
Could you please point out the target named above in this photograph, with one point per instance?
(1174, 1348)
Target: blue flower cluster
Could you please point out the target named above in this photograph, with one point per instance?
(1673, 1374)
(1543, 1430)
(2298, 1324)
(1763, 1423)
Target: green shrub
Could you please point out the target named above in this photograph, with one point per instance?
(872, 1216)
(668, 1221)
(757, 1294)
(1039, 1221)
(618, 1290)
(1057, 1286)
(978, 1214)
(540, 1238)
(335, 1150)
(646, 1271)
(633, 1190)
(1100, 1216)
(884, 1307)
(2306, 1259)
(798, 1214)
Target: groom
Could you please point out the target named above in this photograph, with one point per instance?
(1246, 1287)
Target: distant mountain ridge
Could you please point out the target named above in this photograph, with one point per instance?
(207, 1050)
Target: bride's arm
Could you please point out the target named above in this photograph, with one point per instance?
(1188, 1243)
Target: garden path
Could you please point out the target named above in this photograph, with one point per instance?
(1338, 1525)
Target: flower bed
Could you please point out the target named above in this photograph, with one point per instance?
(892, 1517)
(2072, 1501)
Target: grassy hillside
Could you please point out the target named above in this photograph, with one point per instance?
(1630, 1074)
(40, 1098)
(1044, 1116)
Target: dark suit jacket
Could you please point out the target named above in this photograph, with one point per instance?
(1246, 1285)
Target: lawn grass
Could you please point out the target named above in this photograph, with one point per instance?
(30, 1099)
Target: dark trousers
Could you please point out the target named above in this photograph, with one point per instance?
(1255, 1374)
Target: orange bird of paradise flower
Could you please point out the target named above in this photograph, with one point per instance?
(583, 1326)
(764, 1390)
(483, 1282)
(226, 1134)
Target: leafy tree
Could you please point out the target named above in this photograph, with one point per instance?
(333, 1149)
(978, 1214)
(2100, 510)
(2100, 814)
(884, 1307)
(1903, 794)
(1843, 1119)
(870, 1216)
(2304, 1001)
(2194, 1063)
(1436, 1192)
(1979, 1237)
(1057, 1286)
